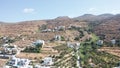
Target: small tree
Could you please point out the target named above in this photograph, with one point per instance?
(43, 27)
(62, 38)
(36, 49)
(76, 38)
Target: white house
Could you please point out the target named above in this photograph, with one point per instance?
(9, 49)
(59, 28)
(39, 42)
(73, 44)
(57, 37)
(100, 42)
(5, 45)
(18, 63)
(47, 61)
(113, 41)
(47, 30)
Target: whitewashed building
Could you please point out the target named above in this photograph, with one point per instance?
(18, 63)
(9, 49)
(113, 41)
(47, 30)
(73, 45)
(100, 42)
(42, 42)
(47, 61)
(57, 37)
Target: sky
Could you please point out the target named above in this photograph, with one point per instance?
(23, 10)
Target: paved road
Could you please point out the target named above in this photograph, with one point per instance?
(78, 60)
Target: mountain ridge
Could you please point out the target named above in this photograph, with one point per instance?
(81, 18)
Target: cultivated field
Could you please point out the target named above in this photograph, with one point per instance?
(111, 50)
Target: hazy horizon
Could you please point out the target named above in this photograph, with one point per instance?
(24, 10)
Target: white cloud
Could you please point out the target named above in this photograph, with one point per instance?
(92, 9)
(28, 10)
(115, 12)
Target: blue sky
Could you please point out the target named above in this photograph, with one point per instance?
(22, 10)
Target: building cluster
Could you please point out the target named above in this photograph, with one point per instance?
(15, 62)
(59, 28)
(9, 49)
(18, 63)
(101, 42)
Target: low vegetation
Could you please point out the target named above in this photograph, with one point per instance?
(88, 50)
(33, 49)
(65, 59)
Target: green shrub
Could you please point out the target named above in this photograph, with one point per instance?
(62, 38)
(77, 38)
(36, 49)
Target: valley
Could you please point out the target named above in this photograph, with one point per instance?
(88, 41)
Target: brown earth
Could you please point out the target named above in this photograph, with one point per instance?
(2, 62)
(111, 50)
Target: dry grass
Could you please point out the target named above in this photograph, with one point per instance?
(33, 56)
(46, 50)
(111, 50)
(23, 28)
(2, 62)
